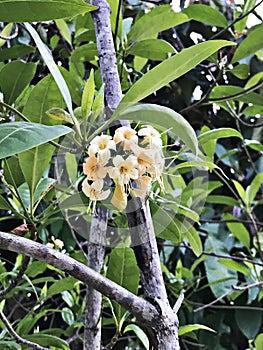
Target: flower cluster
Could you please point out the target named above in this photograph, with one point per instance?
(140, 163)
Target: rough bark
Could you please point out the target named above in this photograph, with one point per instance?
(96, 252)
(165, 334)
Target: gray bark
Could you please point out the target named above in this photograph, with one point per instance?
(113, 95)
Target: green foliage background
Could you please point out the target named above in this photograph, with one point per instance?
(209, 221)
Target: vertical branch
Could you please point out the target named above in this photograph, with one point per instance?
(113, 95)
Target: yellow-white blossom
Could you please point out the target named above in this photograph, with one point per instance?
(152, 137)
(119, 198)
(126, 136)
(102, 145)
(94, 169)
(142, 183)
(124, 169)
(94, 191)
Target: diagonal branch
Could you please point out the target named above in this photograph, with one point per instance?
(140, 308)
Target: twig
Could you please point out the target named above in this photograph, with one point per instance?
(178, 303)
(17, 336)
(213, 302)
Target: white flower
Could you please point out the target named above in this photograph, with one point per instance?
(151, 136)
(145, 158)
(94, 191)
(101, 145)
(124, 169)
(127, 136)
(94, 169)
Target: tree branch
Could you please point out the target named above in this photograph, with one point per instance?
(144, 311)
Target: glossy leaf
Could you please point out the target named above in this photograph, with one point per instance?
(216, 134)
(237, 93)
(4, 204)
(84, 53)
(238, 230)
(88, 95)
(68, 316)
(174, 67)
(220, 277)
(158, 20)
(153, 49)
(194, 240)
(14, 78)
(206, 14)
(253, 188)
(17, 137)
(47, 57)
(250, 44)
(16, 51)
(193, 327)
(139, 333)
(259, 341)
(44, 96)
(41, 10)
(48, 340)
(64, 30)
(33, 163)
(225, 200)
(123, 270)
(59, 286)
(164, 118)
(164, 223)
(234, 265)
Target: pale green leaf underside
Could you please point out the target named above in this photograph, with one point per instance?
(17, 137)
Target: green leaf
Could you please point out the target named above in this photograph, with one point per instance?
(12, 345)
(44, 96)
(259, 342)
(162, 117)
(240, 190)
(237, 93)
(206, 14)
(241, 71)
(164, 223)
(68, 316)
(256, 145)
(48, 340)
(234, 265)
(216, 134)
(238, 230)
(54, 70)
(4, 204)
(84, 53)
(33, 163)
(6, 31)
(66, 283)
(139, 333)
(88, 95)
(217, 199)
(249, 322)
(59, 114)
(64, 30)
(123, 270)
(193, 327)
(158, 20)
(194, 240)
(171, 69)
(14, 78)
(220, 277)
(252, 189)
(16, 51)
(41, 10)
(249, 45)
(17, 137)
(153, 49)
